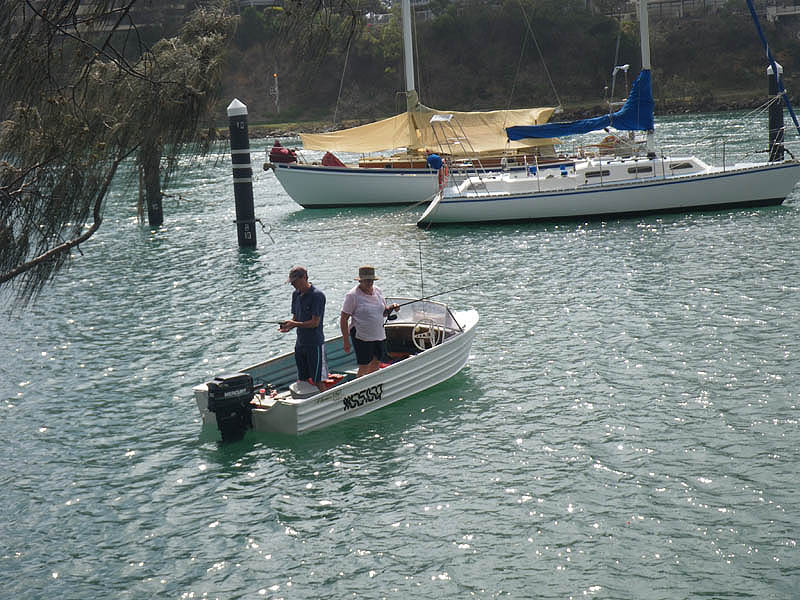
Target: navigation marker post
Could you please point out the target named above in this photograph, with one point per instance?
(776, 129)
(242, 174)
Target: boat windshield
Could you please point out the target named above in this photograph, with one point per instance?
(421, 310)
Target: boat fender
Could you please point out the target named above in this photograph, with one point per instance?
(444, 174)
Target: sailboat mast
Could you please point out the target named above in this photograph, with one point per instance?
(644, 36)
(408, 53)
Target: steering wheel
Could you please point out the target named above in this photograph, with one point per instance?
(426, 334)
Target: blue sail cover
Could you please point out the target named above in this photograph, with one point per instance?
(635, 115)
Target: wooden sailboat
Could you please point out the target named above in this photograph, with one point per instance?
(404, 177)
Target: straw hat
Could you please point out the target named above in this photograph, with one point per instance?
(366, 272)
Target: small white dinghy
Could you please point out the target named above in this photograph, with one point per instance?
(427, 344)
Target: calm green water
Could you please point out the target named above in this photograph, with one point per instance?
(627, 426)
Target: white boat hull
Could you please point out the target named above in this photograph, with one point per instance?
(315, 186)
(355, 397)
(743, 185)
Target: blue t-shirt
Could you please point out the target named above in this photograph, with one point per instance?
(305, 306)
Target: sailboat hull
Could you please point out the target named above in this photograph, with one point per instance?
(314, 186)
(716, 188)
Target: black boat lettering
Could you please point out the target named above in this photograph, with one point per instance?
(370, 394)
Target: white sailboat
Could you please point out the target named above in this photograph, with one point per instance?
(630, 181)
(404, 177)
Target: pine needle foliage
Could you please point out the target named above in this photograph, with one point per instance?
(81, 93)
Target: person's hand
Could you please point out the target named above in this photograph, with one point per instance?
(285, 326)
(346, 344)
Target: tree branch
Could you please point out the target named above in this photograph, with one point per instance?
(66, 246)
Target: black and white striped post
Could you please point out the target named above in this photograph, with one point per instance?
(775, 115)
(242, 174)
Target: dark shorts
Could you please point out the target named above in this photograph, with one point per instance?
(366, 351)
(311, 363)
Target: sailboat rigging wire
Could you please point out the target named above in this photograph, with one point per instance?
(341, 79)
(779, 79)
(516, 76)
(714, 138)
(764, 107)
(614, 70)
(420, 202)
(415, 59)
(541, 56)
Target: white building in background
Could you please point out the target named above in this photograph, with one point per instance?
(775, 12)
(259, 3)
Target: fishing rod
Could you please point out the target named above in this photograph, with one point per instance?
(463, 287)
(392, 317)
(260, 322)
(255, 321)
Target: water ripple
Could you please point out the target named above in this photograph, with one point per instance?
(626, 428)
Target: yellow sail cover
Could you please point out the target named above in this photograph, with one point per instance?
(484, 132)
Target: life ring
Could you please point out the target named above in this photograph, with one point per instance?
(444, 173)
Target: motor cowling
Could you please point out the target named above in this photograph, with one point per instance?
(229, 399)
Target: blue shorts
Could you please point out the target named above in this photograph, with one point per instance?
(311, 363)
(366, 351)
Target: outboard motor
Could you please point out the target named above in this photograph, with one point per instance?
(229, 399)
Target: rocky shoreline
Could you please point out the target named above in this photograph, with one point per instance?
(663, 107)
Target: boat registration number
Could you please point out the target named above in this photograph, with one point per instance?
(370, 394)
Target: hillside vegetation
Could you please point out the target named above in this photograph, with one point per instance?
(480, 56)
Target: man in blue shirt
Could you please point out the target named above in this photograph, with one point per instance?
(308, 313)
